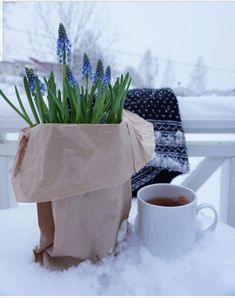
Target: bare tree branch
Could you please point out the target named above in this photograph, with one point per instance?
(86, 30)
(45, 21)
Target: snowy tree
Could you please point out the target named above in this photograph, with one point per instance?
(198, 78)
(136, 78)
(148, 70)
(168, 77)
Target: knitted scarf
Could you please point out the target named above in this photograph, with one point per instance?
(170, 159)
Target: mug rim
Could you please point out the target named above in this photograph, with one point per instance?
(168, 184)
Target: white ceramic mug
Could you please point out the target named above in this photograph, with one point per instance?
(169, 231)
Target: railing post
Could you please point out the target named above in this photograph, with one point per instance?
(2, 137)
(7, 199)
(227, 194)
(4, 186)
(202, 172)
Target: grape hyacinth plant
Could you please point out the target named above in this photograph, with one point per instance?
(86, 68)
(63, 46)
(107, 77)
(97, 101)
(99, 72)
(72, 81)
(31, 79)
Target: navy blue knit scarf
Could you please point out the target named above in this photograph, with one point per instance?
(160, 107)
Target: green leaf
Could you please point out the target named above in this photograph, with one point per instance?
(118, 94)
(59, 114)
(120, 112)
(78, 104)
(30, 100)
(22, 107)
(109, 98)
(90, 101)
(40, 101)
(65, 96)
(13, 106)
(72, 100)
(51, 102)
(57, 101)
(98, 109)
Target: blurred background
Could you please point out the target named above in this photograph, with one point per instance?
(188, 46)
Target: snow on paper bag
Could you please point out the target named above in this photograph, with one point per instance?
(79, 175)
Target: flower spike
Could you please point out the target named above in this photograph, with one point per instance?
(63, 46)
(86, 68)
(31, 79)
(107, 77)
(99, 73)
(70, 77)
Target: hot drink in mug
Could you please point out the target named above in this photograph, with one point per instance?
(166, 221)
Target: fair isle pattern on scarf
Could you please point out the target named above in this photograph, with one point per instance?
(170, 159)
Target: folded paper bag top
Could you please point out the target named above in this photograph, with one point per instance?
(56, 161)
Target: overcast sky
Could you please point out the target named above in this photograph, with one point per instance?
(182, 31)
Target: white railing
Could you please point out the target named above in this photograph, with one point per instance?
(215, 153)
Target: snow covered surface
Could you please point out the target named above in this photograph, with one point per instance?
(207, 107)
(208, 270)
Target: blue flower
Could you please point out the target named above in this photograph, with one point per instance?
(99, 72)
(31, 79)
(42, 88)
(63, 46)
(70, 77)
(86, 67)
(107, 77)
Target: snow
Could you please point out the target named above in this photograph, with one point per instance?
(207, 270)
(207, 107)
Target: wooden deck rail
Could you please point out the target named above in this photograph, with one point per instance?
(215, 153)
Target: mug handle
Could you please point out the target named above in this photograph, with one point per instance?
(215, 222)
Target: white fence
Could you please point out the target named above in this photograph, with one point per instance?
(215, 153)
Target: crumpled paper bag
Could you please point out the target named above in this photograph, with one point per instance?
(79, 176)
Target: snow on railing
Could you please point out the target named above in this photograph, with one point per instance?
(199, 115)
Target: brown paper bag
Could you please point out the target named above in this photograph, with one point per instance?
(79, 175)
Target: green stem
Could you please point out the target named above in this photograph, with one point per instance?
(64, 92)
(87, 84)
(63, 76)
(88, 108)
